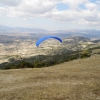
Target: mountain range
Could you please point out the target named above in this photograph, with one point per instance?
(62, 33)
(20, 29)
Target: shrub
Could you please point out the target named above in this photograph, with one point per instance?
(85, 54)
(25, 64)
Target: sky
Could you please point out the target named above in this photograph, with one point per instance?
(51, 14)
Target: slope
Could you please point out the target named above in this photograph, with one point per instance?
(74, 80)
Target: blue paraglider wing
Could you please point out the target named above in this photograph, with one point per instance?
(47, 37)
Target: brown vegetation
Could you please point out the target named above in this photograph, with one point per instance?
(74, 80)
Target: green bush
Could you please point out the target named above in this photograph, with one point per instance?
(25, 64)
(10, 66)
(85, 54)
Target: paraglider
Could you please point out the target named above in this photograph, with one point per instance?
(47, 37)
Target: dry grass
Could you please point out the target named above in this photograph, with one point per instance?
(74, 80)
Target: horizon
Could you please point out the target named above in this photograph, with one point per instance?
(51, 15)
(50, 30)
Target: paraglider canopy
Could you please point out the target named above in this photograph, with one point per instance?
(47, 37)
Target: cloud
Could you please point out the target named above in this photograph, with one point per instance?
(10, 2)
(3, 11)
(32, 8)
(91, 6)
(47, 9)
(74, 3)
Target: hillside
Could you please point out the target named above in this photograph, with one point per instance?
(74, 80)
(17, 47)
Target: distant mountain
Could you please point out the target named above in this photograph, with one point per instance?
(61, 33)
(20, 29)
(76, 32)
(5, 28)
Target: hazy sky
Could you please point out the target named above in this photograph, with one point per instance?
(51, 14)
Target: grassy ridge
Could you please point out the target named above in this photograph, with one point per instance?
(47, 60)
